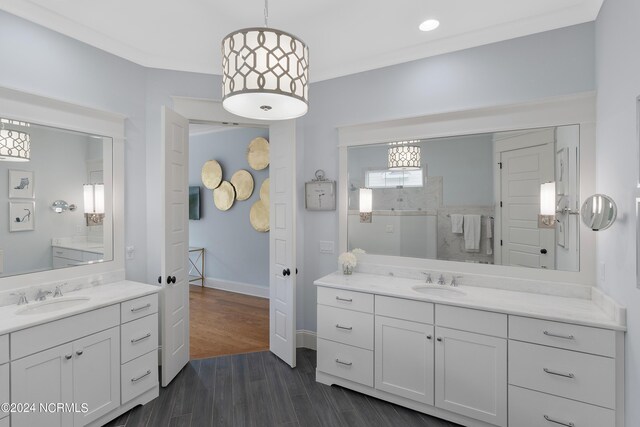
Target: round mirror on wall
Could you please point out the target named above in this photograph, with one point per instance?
(598, 212)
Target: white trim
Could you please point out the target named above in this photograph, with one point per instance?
(237, 287)
(52, 112)
(306, 339)
(572, 109)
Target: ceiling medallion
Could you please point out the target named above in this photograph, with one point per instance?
(265, 73)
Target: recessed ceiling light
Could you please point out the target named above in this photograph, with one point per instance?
(429, 25)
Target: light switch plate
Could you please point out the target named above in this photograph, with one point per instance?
(131, 252)
(326, 247)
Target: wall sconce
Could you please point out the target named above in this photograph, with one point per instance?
(60, 206)
(547, 217)
(94, 204)
(366, 204)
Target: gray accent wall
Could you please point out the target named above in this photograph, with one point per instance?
(235, 252)
(618, 82)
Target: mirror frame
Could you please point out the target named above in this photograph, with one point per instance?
(577, 109)
(47, 111)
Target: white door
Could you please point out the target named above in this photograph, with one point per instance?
(96, 374)
(45, 377)
(523, 243)
(404, 359)
(471, 375)
(282, 241)
(174, 298)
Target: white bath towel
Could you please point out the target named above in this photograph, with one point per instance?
(472, 233)
(489, 235)
(456, 223)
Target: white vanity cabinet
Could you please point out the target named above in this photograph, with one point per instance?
(4, 376)
(63, 257)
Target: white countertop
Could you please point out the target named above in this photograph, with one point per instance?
(99, 296)
(97, 248)
(549, 307)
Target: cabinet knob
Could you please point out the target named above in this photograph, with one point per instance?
(79, 352)
(428, 337)
(68, 356)
(543, 251)
(439, 339)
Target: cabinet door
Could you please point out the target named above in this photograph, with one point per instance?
(96, 374)
(4, 388)
(43, 378)
(471, 375)
(404, 359)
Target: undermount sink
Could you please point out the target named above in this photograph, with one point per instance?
(51, 305)
(440, 291)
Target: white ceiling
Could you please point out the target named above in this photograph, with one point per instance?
(344, 36)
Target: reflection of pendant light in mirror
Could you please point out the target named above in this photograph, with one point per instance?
(15, 145)
(94, 204)
(366, 204)
(404, 155)
(265, 73)
(547, 218)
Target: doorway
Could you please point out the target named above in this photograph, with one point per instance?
(228, 243)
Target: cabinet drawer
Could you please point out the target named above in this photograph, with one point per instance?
(139, 307)
(38, 338)
(4, 387)
(357, 301)
(346, 326)
(64, 262)
(564, 373)
(529, 408)
(139, 337)
(563, 335)
(466, 319)
(4, 349)
(70, 254)
(139, 375)
(406, 309)
(344, 361)
(91, 256)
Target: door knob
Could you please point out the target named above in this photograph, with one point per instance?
(171, 279)
(543, 251)
(286, 272)
(160, 279)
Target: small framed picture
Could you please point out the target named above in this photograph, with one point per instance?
(21, 184)
(22, 216)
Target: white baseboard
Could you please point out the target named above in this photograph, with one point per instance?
(306, 339)
(237, 287)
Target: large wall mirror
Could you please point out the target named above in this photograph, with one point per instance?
(56, 198)
(472, 198)
(494, 190)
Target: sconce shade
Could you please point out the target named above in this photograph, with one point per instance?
(366, 200)
(265, 74)
(548, 198)
(98, 198)
(404, 155)
(89, 207)
(15, 146)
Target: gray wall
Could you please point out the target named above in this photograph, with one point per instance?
(50, 64)
(618, 80)
(534, 67)
(234, 250)
(58, 160)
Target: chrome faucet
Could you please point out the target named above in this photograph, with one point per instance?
(22, 297)
(441, 280)
(58, 292)
(428, 277)
(454, 282)
(42, 295)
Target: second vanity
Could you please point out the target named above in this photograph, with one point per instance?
(477, 356)
(94, 349)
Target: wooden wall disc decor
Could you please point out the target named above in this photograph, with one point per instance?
(258, 153)
(242, 181)
(259, 216)
(211, 174)
(264, 192)
(224, 196)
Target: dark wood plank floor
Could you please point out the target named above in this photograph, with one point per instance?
(224, 323)
(257, 389)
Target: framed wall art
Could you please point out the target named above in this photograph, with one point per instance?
(21, 184)
(22, 216)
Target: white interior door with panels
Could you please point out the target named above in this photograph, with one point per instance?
(174, 298)
(282, 237)
(522, 171)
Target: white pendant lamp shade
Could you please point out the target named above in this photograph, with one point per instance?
(15, 146)
(265, 74)
(404, 156)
